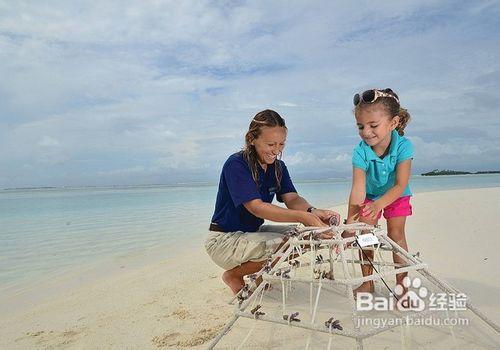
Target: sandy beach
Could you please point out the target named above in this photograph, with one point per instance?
(182, 303)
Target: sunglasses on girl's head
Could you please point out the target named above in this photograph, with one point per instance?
(370, 96)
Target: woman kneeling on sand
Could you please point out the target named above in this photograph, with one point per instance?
(238, 241)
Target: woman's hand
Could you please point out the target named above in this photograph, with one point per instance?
(370, 210)
(313, 220)
(310, 219)
(329, 217)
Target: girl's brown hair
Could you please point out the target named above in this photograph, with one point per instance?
(392, 107)
(266, 118)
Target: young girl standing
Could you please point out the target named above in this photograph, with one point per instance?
(381, 170)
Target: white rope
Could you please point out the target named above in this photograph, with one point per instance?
(330, 338)
(313, 318)
(313, 262)
(383, 268)
(352, 261)
(283, 293)
(262, 291)
(248, 335)
(362, 258)
(308, 340)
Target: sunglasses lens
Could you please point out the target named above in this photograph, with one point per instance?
(356, 100)
(389, 91)
(369, 96)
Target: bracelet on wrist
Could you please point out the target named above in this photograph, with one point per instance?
(310, 209)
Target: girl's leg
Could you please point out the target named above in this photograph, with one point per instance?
(366, 269)
(396, 231)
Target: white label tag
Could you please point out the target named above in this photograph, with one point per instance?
(367, 239)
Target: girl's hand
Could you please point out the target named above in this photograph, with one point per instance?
(369, 210)
(328, 217)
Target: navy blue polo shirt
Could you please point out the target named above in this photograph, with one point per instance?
(236, 186)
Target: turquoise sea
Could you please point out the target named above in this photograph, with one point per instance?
(46, 232)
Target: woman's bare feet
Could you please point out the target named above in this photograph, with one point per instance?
(235, 282)
(234, 277)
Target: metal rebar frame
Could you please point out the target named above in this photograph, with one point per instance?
(306, 239)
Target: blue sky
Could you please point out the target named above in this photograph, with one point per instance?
(148, 92)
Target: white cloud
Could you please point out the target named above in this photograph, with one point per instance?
(135, 89)
(48, 141)
(287, 104)
(327, 162)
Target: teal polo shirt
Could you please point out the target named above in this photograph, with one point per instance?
(381, 173)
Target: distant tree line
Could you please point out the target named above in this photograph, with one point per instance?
(455, 172)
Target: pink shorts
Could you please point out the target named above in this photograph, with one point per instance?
(400, 207)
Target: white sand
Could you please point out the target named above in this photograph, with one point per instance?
(181, 303)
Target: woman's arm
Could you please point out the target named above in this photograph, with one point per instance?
(292, 200)
(403, 171)
(273, 212)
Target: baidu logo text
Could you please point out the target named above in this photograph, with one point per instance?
(407, 299)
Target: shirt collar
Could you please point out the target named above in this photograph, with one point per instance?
(270, 169)
(393, 150)
(393, 147)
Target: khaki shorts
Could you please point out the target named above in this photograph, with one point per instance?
(231, 249)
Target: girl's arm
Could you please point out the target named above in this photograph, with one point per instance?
(275, 213)
(403, 171)
(358, 194)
